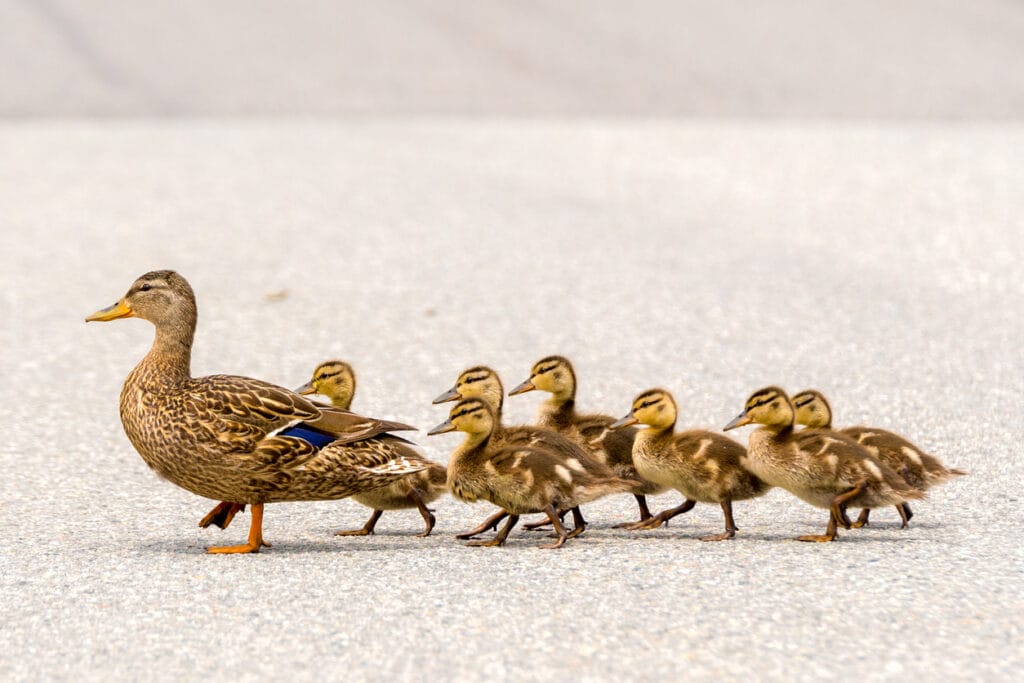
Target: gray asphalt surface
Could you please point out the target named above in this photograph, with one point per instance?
(879, 263)
(870, 59)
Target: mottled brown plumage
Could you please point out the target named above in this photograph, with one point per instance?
(520, 479)
(704, 466)
(337, 381)
(218, 436)
(920, 470)
(556, 376)
(822, 467)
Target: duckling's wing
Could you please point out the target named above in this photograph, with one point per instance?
(849, 462)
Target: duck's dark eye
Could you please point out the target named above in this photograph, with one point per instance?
(145, 288)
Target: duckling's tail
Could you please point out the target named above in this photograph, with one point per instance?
(936, 473)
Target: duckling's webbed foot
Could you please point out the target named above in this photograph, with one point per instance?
(533, 526)
(367, 528)
(559, 529)
(645, 513)
(862, 519)
(830, 532)
(489, 524)
(663, 517)
(255, 536)
(221, 515)
(502, 535)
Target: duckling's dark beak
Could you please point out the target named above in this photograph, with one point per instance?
(522, 388)
(738, 421)
(624, 421)
(118, 310)
(445, 426)
(450, 395)
(306, 389)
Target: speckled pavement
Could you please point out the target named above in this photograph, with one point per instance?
(879, 263)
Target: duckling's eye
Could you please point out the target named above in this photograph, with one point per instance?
(145, 288)
(323, 375)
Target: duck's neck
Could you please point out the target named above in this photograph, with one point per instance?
(171, 354)
(559, 410)
(471, 449)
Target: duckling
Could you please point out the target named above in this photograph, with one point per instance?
(238, 439)
(520, 479)
(337, 381)
(704, 466)
(822, 467)
(920, 470)
(556, 376)
(483, 382)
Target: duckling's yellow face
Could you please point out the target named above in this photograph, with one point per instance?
(655, 408)
(472, 416)
(769, 406)
(334, 379)
(812, 409)
(162, 297)
(479, 382)
(554, 375)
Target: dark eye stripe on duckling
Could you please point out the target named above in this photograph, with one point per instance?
(476, 378)
(544, 371)
(768, 397)
(800, 404)
(467, 411)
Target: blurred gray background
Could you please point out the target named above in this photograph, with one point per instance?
(912, 59)
(707, 196)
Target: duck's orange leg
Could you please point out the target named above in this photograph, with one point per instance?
(222, 514)
(255, 536)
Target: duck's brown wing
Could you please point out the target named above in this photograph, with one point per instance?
(264, 407)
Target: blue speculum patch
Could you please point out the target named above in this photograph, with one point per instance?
(307, 433)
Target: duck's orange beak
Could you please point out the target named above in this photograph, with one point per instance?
(624, 421)
(306, 389)
(118, 310)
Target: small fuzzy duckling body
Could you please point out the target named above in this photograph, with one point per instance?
(337, 381)
(706, 467)
(919, 469)
(482, 382)
(238, 439)
(821, 467)
(556, 376)
(520, 479)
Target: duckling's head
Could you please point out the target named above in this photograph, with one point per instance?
(477, 382)
(812, 409)
(473, 416)
(334, 379)
(554, 375)
(655, 408)
(769, 406)
(162, 297)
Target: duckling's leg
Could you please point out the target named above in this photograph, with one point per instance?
(428, 517)
(498, 540)
(905, 514)
(730, 525)
(830, 532)
(367, 528)
(645, 513)
(559, 529)
(255, 535)
(579, 525)
(862, 519)
(662, 517)
(839, 503)
(222, 514)
(532, 526)
(489, 523)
